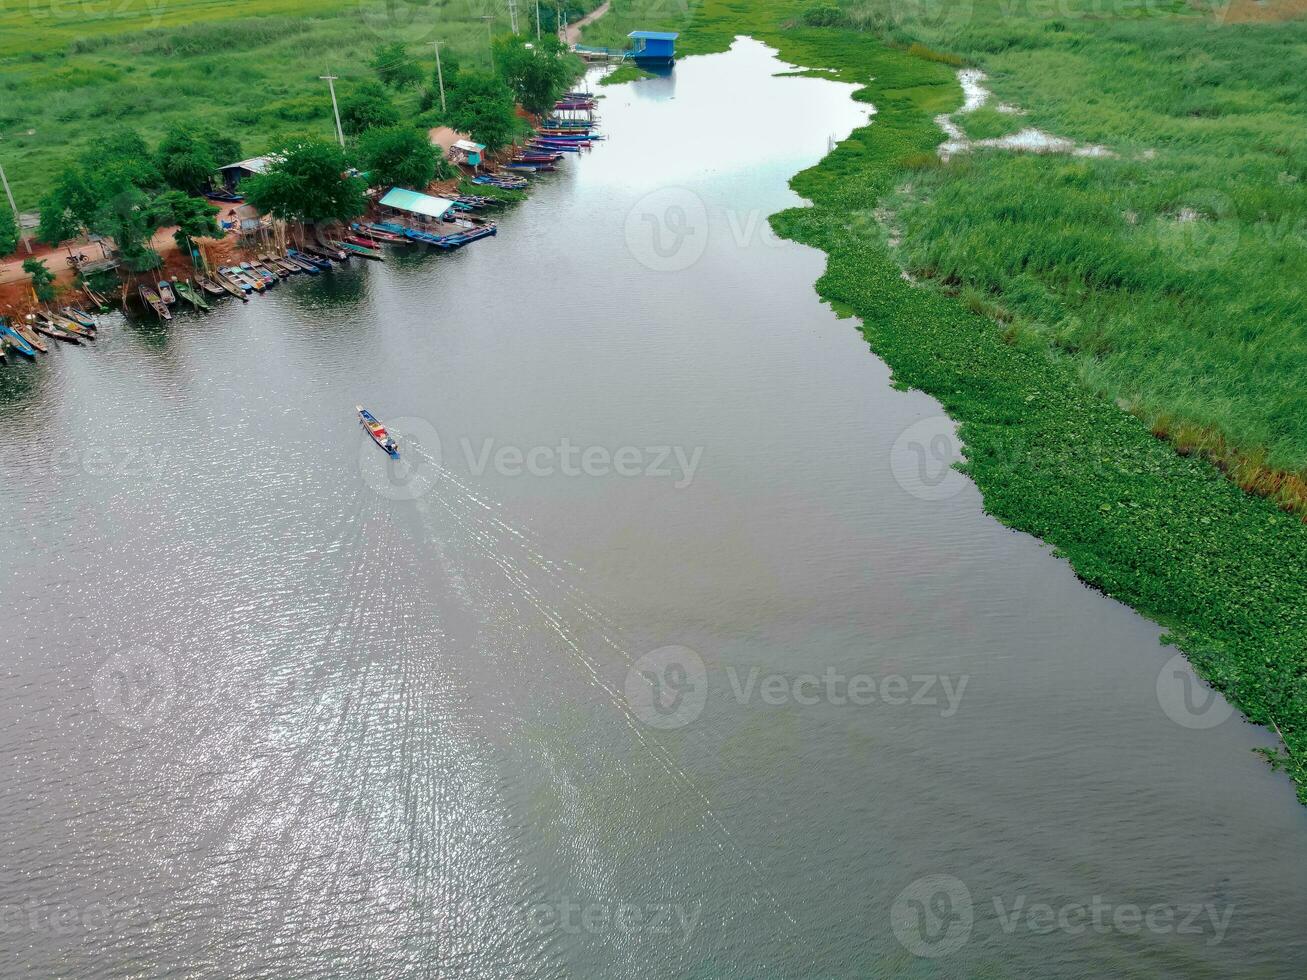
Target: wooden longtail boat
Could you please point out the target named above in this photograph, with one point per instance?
(15, 340)
(29, 335)
(79, 316)
(67, 325)
(247, 283)
(363, 250)
(308, 263)
(185, 291)
(50, 330)
(210, 287)
(323, 247)
(380, 233)
(377, 431)
(262, 276)
(165, 292)
(151, 298)
(232, 285)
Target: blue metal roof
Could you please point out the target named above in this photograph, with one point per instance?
(406, 200)
(655, 35)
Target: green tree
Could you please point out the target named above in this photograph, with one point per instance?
(394, 67)
(66, 208)
(308, 183)
(193, 216)
(223, 148)
(398, 156)
(125, 152)
(42, 279)
(450, 63)
(8, 231)
(482, 105)
(186, 161)
(538, 72)
(367, 107)
(127, 216)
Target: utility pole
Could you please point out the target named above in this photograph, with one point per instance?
(18, 219)
(537, 20)
(490, 37)
(512, 15)
(440, 75)
(331, 84)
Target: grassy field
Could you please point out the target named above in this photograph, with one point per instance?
(1051, 451)
(249, 68)
(1172, 270)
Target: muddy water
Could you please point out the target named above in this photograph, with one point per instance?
(669, 648)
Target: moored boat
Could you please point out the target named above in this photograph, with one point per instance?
(79, 316)
(191, 296)
(165, 292)
(67, 325)
(308, 263)
(48, 329)
(28, 334)
(379, 233)
(151, 298)
(232, 285)
(15, 340)
(377, 431)
(363, 250)
(210, 287)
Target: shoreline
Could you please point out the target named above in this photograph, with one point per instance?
(1168, 535)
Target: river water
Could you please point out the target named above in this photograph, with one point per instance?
(668, 649)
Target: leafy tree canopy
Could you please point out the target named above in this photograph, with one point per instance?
(367, 107)
(538, 71)
(394, 67)
(399, 156)
(42, 279)
(8, 231)
(482, 105)
(193, 216)
(66, 207)
(186, 161)
(308, 183)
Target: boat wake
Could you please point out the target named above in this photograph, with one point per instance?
(548, 586)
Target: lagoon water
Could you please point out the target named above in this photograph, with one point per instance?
(274, 707)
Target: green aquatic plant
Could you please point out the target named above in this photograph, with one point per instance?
(1052, 452)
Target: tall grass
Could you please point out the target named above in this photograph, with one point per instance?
(1173, 271)
(1052, 455)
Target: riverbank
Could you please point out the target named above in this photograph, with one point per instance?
(1164, 533)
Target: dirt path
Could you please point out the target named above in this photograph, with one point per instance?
(574, 30)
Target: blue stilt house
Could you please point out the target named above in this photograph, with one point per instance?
(652, 47)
